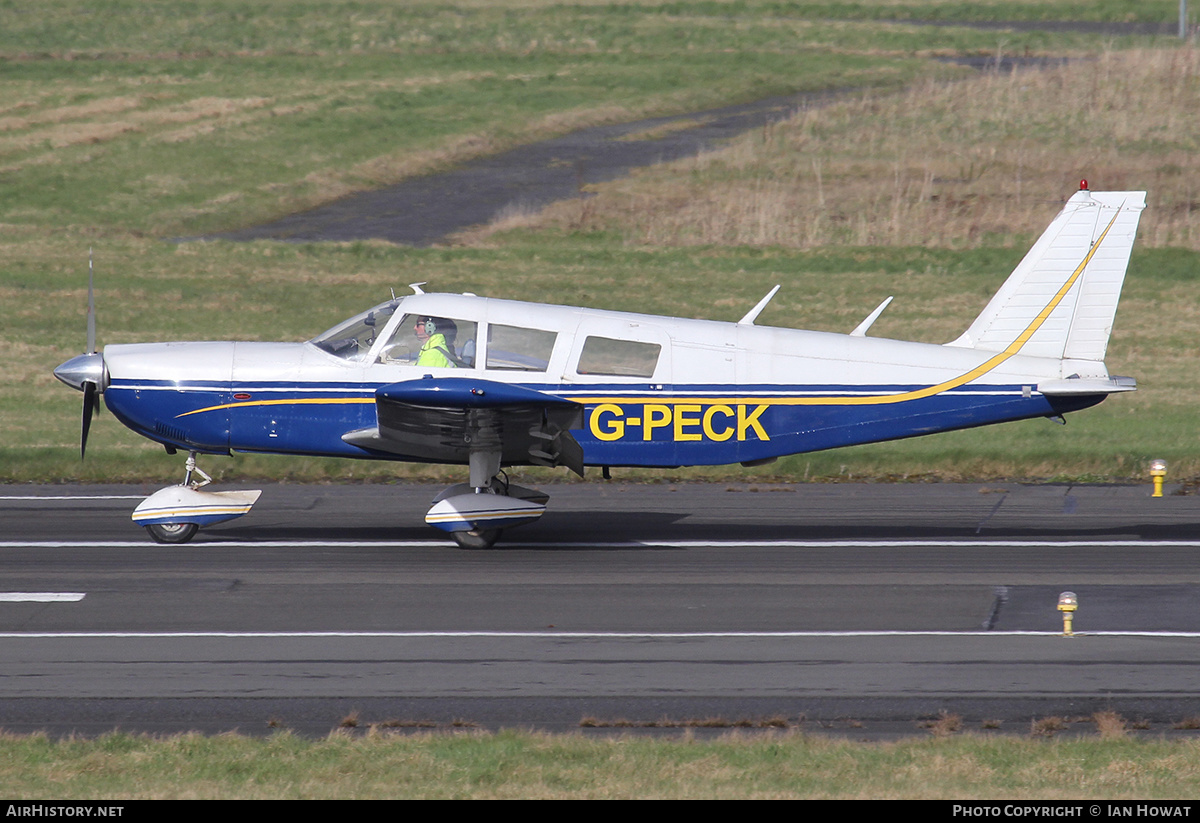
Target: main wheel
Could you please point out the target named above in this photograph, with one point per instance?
(478, 539)
(172, 532)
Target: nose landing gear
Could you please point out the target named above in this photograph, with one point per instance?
(174, 514)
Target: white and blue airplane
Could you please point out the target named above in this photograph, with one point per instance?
(486, 383)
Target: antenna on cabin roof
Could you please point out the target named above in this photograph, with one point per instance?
(416, 287)
(753, 314)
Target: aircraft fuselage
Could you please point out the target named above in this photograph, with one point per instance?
(703, 392)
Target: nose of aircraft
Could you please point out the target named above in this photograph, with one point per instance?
(88, 374)
(86, 368)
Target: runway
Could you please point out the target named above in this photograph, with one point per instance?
(861, 609)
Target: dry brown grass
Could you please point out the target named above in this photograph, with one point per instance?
(945, 725)
(954, 164)
(109, 119)
(60, 114)
(1046, 726)
(1110, 725)
(350, 721)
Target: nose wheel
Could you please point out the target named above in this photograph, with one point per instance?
(477, 539)
(172, 532)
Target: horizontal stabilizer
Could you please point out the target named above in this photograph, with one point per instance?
(1077, 386)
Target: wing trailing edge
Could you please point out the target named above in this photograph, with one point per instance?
(446, 420)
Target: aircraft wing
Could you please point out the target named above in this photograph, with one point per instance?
(445, 420)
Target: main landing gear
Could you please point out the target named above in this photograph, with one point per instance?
(475, 513)
(476, 538)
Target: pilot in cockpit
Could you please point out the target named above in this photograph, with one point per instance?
(437, 342)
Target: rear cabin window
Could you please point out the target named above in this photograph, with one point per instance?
(519, 349)
(618, 358)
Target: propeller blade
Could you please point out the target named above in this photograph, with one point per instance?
(91, 310)
(89, 411)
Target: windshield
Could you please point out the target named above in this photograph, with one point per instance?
(352, 339)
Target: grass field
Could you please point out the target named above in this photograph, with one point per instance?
(124, 124)
(510, 765)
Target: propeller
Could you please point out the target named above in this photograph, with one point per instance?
(86, 372)
(91, 315)
(89, 411)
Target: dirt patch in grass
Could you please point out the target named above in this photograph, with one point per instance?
(425, 210)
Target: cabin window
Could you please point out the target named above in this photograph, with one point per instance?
(431, 342)
(352, 339)
(618, 358)
(518, 349)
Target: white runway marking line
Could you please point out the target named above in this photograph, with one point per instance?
(67, 499)
(569, 635)
(215, 542)
(41, 597)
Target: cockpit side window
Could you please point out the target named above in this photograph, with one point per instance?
(513, 348)
(432, 342)
(618, 358)
(352, 340)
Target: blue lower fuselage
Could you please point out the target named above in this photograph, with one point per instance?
(624, 425)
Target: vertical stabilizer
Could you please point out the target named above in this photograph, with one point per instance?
(1062, 298)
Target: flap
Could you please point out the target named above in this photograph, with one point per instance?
(446, 420)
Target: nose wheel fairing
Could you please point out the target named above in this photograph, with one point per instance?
(185, 504)
(176, 513)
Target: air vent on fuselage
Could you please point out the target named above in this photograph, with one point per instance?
(170, 432)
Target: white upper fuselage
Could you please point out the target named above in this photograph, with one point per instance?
(701, 352)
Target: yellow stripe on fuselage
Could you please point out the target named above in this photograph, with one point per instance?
(303, 401)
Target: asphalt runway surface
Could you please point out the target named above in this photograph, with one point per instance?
(865, 610)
